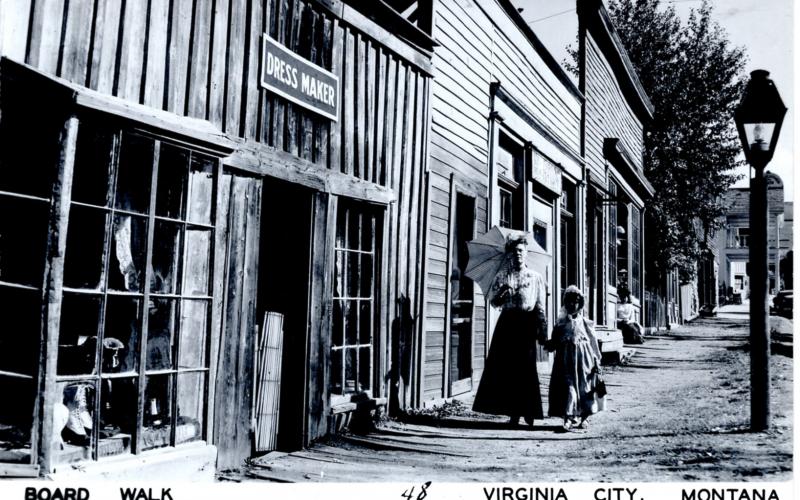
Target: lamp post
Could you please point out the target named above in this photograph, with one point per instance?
(759, 117)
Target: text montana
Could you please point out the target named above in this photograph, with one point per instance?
(729, 494)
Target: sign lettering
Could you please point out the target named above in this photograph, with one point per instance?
(299, 80)
(546, 173)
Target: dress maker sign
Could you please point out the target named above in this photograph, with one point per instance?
(299, 80)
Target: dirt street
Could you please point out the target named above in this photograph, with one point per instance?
(678, 411)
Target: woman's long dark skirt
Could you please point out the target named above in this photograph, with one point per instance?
(510, 382)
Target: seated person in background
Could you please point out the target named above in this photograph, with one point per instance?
(626, 319)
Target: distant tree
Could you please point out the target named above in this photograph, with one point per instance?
(694, 77)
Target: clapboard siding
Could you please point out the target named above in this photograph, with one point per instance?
(607, 111)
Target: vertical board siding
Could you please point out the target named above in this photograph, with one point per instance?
(75, 48)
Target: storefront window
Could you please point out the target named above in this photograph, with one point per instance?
(636, 251)
(132, 359)
(355, 305)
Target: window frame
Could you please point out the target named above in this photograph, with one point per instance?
(363, 210)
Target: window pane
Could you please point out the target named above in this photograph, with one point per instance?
(123, 323)
(367, 232)
(366, 275)
(93, 165)
(16, 420)
(118, 397)
(336, 371)
(338, 322)
(19, 341)
(201, 189)
(128, 250)
(77, 341)
(365, 322)
(83, 263)
(167, 251)
(28, 146)
(160, 331)
(352, 323)
(339, 284)
(354, 230)
(173, 166)
(157, 412)
(134, 174)
(194, 327)
(351, 373)
(191, 395)
(197, 268)
(365, 368)
(73, 421)
(353, 274)
(23, 240)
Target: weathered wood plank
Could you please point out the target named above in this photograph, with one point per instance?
(337, 68)
(53, 284)
(233, 81)
(349, 104)
(220, 263)
(359, 100)
(324, 233)
(199, 67)
(387, 124)
(179, 54)
(251, 108)
(104, 46)
(219, 61)
(45, 37)
(379, 129)
(131, 54)
(154, 77)
(77, 34)
(323, 128)
(14, 23)
(369, 111)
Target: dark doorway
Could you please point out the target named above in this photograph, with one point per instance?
(284, 279)
(461, 298)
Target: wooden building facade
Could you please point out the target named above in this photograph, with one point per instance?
(169, 201)
(615, 115)
(504, 150)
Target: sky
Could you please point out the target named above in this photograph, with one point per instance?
(762, 27)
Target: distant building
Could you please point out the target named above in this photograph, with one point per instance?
(733, 241)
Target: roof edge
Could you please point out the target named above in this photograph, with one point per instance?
(540, 49)
(597, 21)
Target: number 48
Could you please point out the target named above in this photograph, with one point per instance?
(408, 494)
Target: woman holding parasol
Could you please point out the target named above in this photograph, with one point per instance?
(510, 382)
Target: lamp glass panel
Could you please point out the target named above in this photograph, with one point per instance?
(759, 135)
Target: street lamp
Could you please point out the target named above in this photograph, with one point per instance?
(759, 118)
